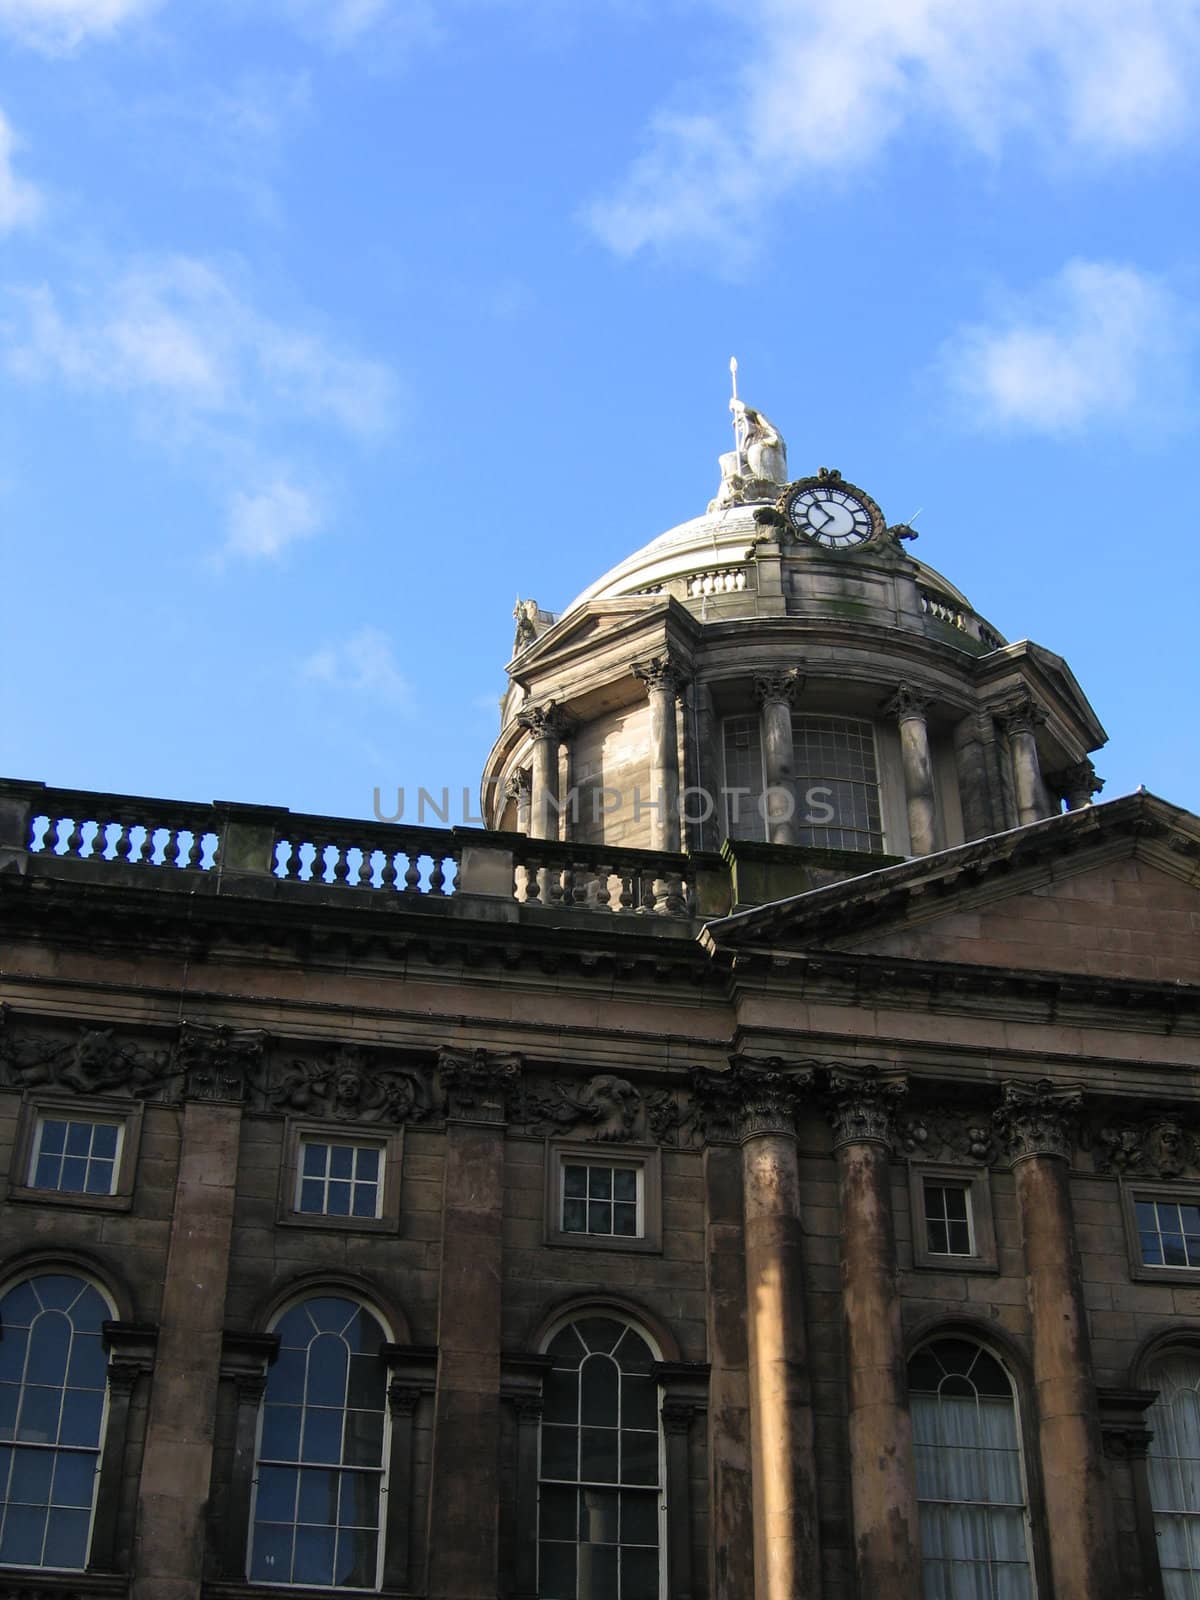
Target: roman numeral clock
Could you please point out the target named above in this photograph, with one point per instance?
(829, 513)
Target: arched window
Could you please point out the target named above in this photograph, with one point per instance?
(319, 1480)
(1175, 1470)
(600, 1496)
(53, 1394)
(970, 1476)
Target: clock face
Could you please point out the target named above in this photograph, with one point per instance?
(830, 516)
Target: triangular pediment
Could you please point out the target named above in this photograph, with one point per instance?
(1112, 892)
(595, 624)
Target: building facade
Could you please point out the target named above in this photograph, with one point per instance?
(763, 1161)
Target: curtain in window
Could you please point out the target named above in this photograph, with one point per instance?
(53, 1392)
(319, 1481)
(970, 1483)
(1175, 1471)
(600, 1489)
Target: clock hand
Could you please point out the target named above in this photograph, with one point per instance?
(826, 518)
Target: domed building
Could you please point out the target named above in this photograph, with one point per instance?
(762, 1161)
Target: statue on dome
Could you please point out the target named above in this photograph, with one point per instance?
(756, 468)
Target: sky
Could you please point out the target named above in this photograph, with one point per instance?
(329, 327)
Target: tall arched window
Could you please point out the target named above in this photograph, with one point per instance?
(970, 1476)
(1175, 1470)
(600, 1495)
(53, 1394)
(319, 1481)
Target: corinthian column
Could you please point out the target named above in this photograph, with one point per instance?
(1021, 719)
(1035, 1123)
(664, 679)
(861, 1102)
(758, 1102)
(1075, 784)
(776, 693)
(548, 725)
(908, 705)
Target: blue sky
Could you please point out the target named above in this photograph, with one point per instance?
(328, 326)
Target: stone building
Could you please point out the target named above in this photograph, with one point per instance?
(763, 1161)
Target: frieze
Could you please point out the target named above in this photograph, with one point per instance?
(1037, 1119)
(90, 1061)
(861, 1104)
(478, 1084)
(349, 1084)
(604, 1108)
(1148, 1147)
(220, 1062)
(948, 1134)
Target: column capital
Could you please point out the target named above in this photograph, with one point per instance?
(218, 1061)
(677, 1416)
(755, 1096)
(519, 784)
(478, 1083)
(779, 686)
(1075, 784)
(1037, 1119)
(665, 672)
(861, 1103)
(1022, 714)
(906, 701)
(546, 721)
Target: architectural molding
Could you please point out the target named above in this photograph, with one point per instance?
(1038, 1119)
(219, 1062)
(478, 1083)
(755, 1096)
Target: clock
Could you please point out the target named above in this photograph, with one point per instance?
(830, 513)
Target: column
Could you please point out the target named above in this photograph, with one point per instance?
(464, 1502)
(664, 679)
(1035, 1123)
(760, 1102)
(518, 788)
(979, 788)
(177, 1460)
(861, 1102)
(684, 1385)
(131, 1359)
(776, 694)
(1021, 718)
(1127, 1451)
(908, 705)
(1075, 784)
(547, 725)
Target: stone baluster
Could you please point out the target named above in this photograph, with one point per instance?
(1035, 1124)
(776, 694)
(1075, 784)
(547, 725)
(1021, 719)
(908, 706)
(861, 1103)
(757, 1103)
(664, 679)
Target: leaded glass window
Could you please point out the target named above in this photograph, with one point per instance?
(837, 783)
(319, 1479)
(53, 1390)
(970, 1476)
(600, 1481)
(1175, 1471)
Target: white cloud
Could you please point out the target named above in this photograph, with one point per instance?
(20, 202)
(364, 663)
(342, 23)
(263, 524)
(175, 330)
(1098, 344)
(822, 86)
(61, 25)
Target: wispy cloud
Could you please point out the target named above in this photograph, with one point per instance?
(822, 86)
(343, 23)
(58, 26)
(364, 663)
(1098, 344)
(20, 201)
(263, 523)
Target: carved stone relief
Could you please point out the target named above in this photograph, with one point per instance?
(88, 1061)
(948, 1134)
(1148, 1147)
(349, 1084)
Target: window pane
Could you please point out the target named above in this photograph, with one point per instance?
(49, 1348)
(598, 1455)
(599, 1216)
(639, 1518)
(599, 1515)
(315, 1160)
(639, 1573)
(597, 1572)
(574, 1216)
(561, 1397)
(625, 1185)
(368, 1164)
(79, 1138)
(272, 1556)
(357, 1558)
(575, 1182)
(312, 1195)
(559, 1452)
(82, 1412)
(54, 1137)
(598, 1391)
(364, 1439)
(341, 1161)
(639, 1457)
(313, 1561)
(328, 1370)
(359, 1504)
(639, 1402)
(24, 1532)
(557, 1572)
(365, 1204)
(338, 1204)
(67, 1538)
(625, 1220)
(276, 1494)
(104, 1141)
(559, 1513)
(31, 1473)
(318, 1497)
(74, 1479)
(600, 1183)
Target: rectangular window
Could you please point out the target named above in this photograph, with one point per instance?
(1168, 1233)
(76, 1155)
(837, 784)
(948, 1228)
(337, 1179)
(605, 1200)
(744, 782)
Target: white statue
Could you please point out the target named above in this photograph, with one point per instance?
(758, 460)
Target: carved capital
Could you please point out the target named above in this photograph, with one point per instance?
(529, 1409)
(1126, 1444)
(1021, 715)
(218, 1061)
(478, 1083)
(123, 1376)
(403, 1398)
(249, 1387)
(861, 1103)
(1037, 1119)
(778, 688)
(677, 1417)
(754, 1097)
(1076, 784)
(519, 785)
(907, 703)
(665, 673)
(548, 721)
